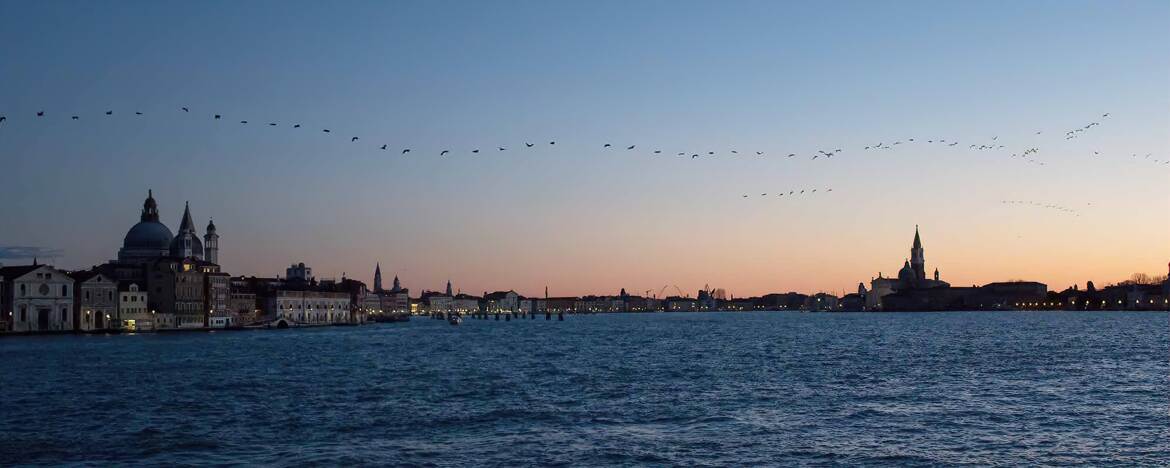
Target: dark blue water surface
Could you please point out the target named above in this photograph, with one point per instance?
(655, 389)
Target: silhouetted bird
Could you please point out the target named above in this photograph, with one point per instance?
(791, 155)
(528, 144)
(552, 142)
(406, 151)
(3, 118)
(607, 145)
(351, 140)
(759, 153)
(475, 151)
(41, 114)
(630, 147)
(734, 152)
(243, 121)
(325, 130)
(185, 109)
(443, 153)
(383, 147)
(110, 112)
(710, 152)
(137, 113)
(75, 117)
(296, 125)
(216, 116)
(502, 148)
(657, 151)
(271, 124)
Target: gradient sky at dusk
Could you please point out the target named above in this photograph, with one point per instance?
(778, 77)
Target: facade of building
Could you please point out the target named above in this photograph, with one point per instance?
(37, 298)
(95, 301)
(133, 309)
(307, 307)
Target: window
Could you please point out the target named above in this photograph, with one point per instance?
(64, 315)
(22, 291)
(22, 314)
(64, 290)
(87, 295)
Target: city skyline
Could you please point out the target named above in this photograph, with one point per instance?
(577, 217)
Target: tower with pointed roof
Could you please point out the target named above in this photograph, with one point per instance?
(449, 289)
(378, 277)
(917, 259)
(397, 287)
(211, 243)
(186, 242)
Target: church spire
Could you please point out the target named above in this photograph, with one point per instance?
(449, 288)
(187, 225)
(378, 277)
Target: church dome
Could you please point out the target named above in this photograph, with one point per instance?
(148, 235)
(906, 273)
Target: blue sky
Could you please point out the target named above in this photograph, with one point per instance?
(778, 77)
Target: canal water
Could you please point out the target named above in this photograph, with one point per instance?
(1017, 388)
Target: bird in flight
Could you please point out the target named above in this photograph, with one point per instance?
(137, 113)
(528, 144)
(76, 117)
(216, 116)
(3, 118)
(552, 142)
(109, 112)
(791, 155)
(40, 113)
(351, 140)
(243, 121)
(630, 147)
(271, 124)
(383, 147)
(657, 151)
(475, 150)
(734, 152)
(185, 109)
(503, 149)
(607, 145)
(406, 151)
(296, 125)
(443, 153)
(759, 153)
(325, 130)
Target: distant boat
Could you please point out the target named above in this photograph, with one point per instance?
(454, 320)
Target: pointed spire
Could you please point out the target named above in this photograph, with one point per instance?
(917, 239)
(187, 224)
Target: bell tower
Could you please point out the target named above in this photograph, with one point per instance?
(211, 243)
(917, 259)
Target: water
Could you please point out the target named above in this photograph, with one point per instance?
(660, 389)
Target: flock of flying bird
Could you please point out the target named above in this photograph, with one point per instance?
(793, 193)
(1049, 206)
(1027, 155)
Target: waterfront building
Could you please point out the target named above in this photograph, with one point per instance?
(133, 310)
(179, 288)
(911, 276)
(466, 304)
(179, 272)
(286, 307)
(502, 302)
(680, 304)
(95, 302)
(37, 298)
(217, 292)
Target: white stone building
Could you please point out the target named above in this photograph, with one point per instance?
(37, 298)
(133, 310)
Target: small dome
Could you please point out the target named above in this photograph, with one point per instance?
(906, 273)
(148, 235)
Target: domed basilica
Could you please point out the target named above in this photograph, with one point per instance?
(150, 239)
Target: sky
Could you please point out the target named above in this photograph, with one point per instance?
(677, 76)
